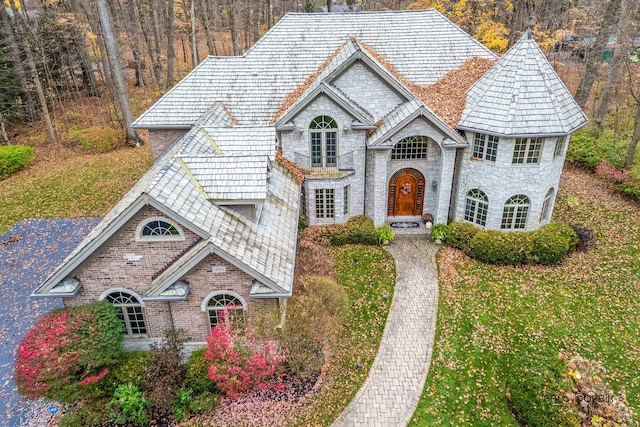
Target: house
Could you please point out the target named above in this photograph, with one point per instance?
(388, 114)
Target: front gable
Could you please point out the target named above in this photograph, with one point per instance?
(366, 88)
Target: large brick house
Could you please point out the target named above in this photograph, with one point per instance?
(387, 114)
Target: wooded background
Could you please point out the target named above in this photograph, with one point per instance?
(73, 71)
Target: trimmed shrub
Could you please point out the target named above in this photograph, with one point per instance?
(68, 352)
(536, 385)
(358, 229)
(459, 235)
(547, 245)
(13, 158)
(197, 370)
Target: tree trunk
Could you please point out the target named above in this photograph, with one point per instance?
(208, 30)
(170, 50)
(329, 4)
(194, 40)
(631, 152)
(116, 72)
(3, 131)
(134, 36)
(231, 13)
(610, 86)
(594, 56)
(150, 50)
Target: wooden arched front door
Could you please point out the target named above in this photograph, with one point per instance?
(406, 193)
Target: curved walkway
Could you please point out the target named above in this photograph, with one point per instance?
(391, 392)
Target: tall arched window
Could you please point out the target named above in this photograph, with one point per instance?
(413, 147)
(223, 303)
(324, 142)
(129, 312)
(514, 215)
(476, 207)
(546, 206)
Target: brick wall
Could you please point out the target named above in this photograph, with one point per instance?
(162, 138)
(128, 263)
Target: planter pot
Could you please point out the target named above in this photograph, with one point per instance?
(428, 225)
(438, 241)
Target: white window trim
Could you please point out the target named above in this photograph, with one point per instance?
(561, 141)
(485, 146)
(516, 207)
(204, 305)
(171, 238)
(421, 143)
(475, 213)
(323, 143)
(125, 290)
(547, 202)
(326, 217)
(527, 150)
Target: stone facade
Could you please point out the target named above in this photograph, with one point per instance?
(128, 263)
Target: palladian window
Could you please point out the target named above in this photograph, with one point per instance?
(476, 207)
(129, 312)
(222, 305)
(324, 142)
(514, 215)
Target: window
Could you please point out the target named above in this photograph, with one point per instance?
(158, 229)
(545, 214)
(560, 141)
(129, 312)
(324, 142)
(527, 150)
(325, 203)
(345, 200)
(485, 147)
(225, 305)
(413, 147)
(476, 206)
(515, 213)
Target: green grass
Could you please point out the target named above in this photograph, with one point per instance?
(80, 186)
(368, 275)
(492, 318)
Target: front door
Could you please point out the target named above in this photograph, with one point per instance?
(406, 193)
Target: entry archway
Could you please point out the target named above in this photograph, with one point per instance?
(406, 193)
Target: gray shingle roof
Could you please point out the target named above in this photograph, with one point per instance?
(421, 45)
(521, 95)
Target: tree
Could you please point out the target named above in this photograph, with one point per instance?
(116, 72)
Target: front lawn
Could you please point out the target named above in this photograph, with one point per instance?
(81, 185)
(495, 321)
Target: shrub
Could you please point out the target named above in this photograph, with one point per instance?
(67, 352)
(130, 405)
(166, 373)
(536, 385)
(182, 402)
(311, 320)
(589, 147)
(459, 235)
(385, 233)
(358, 229)
(238, 363)
(89, 413)
(13, 158)
(438, 232)
(133, 367)
(197, 371)
(204, 402)
(547, 245)
(629, 189)
(102, 138)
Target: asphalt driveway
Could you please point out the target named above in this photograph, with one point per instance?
(28, 253)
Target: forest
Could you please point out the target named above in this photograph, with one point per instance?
(76, 72)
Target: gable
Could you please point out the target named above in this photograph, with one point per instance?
(360, 84)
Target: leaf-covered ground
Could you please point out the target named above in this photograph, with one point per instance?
(63, 185)
(587, 305)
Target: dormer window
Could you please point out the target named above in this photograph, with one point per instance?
(324, 142)
(158, 229)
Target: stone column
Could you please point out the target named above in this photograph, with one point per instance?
(447, 169)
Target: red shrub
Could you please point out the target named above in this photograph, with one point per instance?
(238, 362)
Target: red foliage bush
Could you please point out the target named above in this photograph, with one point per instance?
(67, 351)
(238, 362)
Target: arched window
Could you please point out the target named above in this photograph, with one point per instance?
(545, 214)
(476, 207)
(223, 303)
(413, 147)
(514, 215)
(129, 312)
(324, 142)
(158, 229)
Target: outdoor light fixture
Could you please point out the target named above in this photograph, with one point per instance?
(434, 185)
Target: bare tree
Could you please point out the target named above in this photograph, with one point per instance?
(116, 72)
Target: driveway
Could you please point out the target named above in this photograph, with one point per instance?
(28, 253)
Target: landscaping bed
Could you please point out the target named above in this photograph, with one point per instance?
(500, 325)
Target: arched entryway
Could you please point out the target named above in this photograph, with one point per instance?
(406, 193)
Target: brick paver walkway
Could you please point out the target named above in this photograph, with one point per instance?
(391, 392)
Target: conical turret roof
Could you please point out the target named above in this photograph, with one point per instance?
(521, 95)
